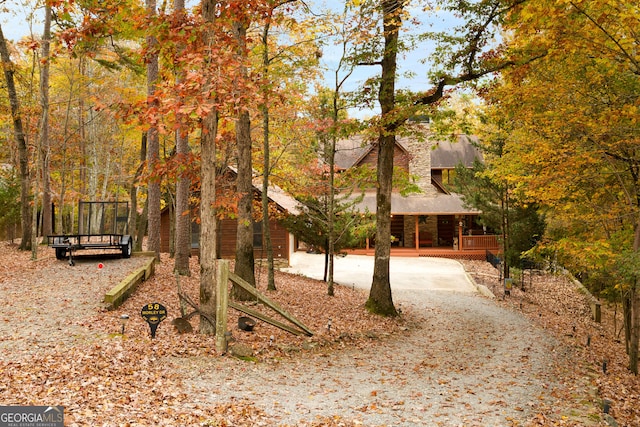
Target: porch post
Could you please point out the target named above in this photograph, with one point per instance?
(417, 233)
(460, 236)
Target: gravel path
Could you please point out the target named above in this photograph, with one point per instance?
(465, 362)
(46, 303)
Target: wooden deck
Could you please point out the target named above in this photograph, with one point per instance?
(439, 252)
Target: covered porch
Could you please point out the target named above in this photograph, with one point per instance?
(446, 236)
(433, 226)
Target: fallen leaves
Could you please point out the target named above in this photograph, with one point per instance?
(554, 302)
(102, 377)
(59, 346)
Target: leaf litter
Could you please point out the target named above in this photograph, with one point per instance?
(450, 359)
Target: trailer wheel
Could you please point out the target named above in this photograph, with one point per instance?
(127, 249)
(61, 253)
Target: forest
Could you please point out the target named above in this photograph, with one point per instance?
(151, 103)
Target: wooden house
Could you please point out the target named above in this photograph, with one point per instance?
(282, 241)
(435, 221)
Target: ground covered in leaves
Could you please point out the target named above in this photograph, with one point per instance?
(558, 304)
(59, 345)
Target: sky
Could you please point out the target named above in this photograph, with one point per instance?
(16, 22)
(414, 61)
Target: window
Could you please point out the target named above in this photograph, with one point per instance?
(257, 234)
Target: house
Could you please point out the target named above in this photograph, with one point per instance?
(282, 241)
(435, 219)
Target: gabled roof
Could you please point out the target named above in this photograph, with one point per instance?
(448, 154)
(279, 196)
(276, 194)
(351, 151)
(445, 155)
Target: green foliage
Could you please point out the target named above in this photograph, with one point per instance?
(521, 224)
(311, 226)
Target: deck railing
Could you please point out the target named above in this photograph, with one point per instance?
(486, 241)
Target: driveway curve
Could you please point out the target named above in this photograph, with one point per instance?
(464, 362)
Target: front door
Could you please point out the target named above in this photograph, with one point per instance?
(446, 230)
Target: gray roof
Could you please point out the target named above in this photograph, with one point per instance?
(350, 151)
(420, 204)
(275, 193)
(279, 196)
(448, 154)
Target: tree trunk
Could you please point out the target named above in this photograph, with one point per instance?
(266, 230)
(635, 334)
(245, 264)
(635, 312)
(82, 129)
(25, 211)
(182, 221)
(626, 313)
(60, 227)
(137, 222)
(153, 149)
(208, 223)
(380, 299)
(505, 234)
(45, 144)
(183, 213)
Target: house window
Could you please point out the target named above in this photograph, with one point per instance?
(257, 234)
(195, 235)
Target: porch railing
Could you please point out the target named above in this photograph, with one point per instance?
(486, 241)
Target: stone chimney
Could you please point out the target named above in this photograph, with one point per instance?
(420, 162)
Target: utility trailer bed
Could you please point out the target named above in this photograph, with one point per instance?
(101, 226)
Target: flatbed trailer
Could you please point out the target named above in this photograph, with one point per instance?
(101, 226)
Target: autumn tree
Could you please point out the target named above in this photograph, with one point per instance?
(208, 222)
(271, 19)
(153, 143)
(573, 146)
(333, 106)
(45, 144)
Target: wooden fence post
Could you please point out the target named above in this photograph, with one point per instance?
(222, 302)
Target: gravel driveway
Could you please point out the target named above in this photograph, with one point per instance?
(466, 361)
(50, 311)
